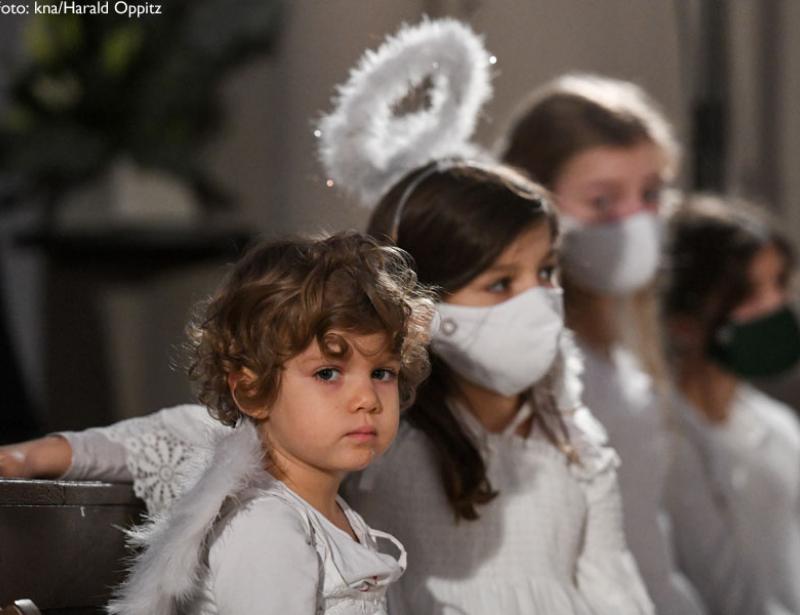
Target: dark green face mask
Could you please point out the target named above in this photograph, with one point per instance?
(764, 346)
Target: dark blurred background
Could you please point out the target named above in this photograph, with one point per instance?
(137, 156)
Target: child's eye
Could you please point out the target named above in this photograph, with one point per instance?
(328, 374)
(602, 203)
(547, 274)
(652, 196)
(500, 286)
(384, 374)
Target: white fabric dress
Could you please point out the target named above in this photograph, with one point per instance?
(551, 542)
(240, 541)
(621, 397)
(738, 538)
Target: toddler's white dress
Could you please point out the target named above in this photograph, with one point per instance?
(240, 541)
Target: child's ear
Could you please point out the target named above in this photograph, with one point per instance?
(236, 379)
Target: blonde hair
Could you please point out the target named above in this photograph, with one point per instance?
(567, 116)
(578, 111)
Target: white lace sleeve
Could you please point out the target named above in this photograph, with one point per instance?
(162, 453)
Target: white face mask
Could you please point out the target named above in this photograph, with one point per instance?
(613, 258)
(506, 347)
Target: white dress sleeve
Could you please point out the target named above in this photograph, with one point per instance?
(705, 538)
(161, 453)
(264, 561)
(607, 574)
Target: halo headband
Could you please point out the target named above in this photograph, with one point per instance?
(365, 146)
(411, 188)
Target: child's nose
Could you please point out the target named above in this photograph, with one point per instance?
(630, 206)
(775, 298)
(366, 398)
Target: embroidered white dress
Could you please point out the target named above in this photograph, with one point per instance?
(240, 541)
(738, 537)
(551, 542)
(161, 453)
(621, 397)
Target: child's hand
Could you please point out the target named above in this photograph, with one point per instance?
(47, 457)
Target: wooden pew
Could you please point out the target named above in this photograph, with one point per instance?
(21, 607)
(61, 543)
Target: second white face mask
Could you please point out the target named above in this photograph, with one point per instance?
(613, 258)
(506, 347)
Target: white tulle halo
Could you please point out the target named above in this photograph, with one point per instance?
(365, 145)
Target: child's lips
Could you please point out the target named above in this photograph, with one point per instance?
(363, 434)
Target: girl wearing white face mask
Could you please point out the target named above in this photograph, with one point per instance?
(499, 483)
(605, 150)
(726, 303)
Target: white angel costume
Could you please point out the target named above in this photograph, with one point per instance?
(551, 541)
(746, 511)
(160, 453)
(622, 398)
(240, 541)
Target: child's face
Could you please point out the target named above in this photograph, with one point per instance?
(335, 415)
(768, 285)
(528, 262)
(604, 184)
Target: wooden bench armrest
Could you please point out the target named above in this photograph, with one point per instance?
(21, 607)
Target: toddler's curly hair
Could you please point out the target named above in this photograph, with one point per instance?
(283, 295)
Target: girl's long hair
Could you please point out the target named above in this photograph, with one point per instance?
(455, 219)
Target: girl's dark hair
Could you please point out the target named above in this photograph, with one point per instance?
(577, 112)
(711, 244)
(283, 295)
(455, 218)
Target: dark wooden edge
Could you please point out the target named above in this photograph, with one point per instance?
(22, 492)
(21, 607)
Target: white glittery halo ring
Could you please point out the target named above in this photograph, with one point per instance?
(365, 147)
